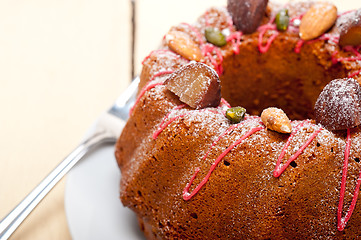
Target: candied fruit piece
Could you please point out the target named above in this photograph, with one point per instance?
(196, 84)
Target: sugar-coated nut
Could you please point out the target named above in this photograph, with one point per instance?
(276, 120)
(317, 20)
(196, 84)
(184, 45)
(338, 106)
(247, 14)
(350, 31)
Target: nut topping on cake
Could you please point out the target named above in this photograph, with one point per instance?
(184, 45)
(282, 20)
(247, 14)
(317, 20)
(235, 114)
(276, 120)
(338, 106)
(350, 33)
(215, 36)
(196, 84)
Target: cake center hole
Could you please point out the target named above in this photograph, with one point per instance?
(287, 80)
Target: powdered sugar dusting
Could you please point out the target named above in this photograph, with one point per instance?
(348, 18)
(338, 106)
(209, 124)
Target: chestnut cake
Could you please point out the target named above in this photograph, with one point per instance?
(246, 126)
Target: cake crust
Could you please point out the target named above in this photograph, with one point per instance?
(193, 174)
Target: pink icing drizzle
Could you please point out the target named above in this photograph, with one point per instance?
(149, 86)
(354, 50)
(235, 38)
(299, 17)
(160, 51)
(262, 30)
(207, 50)
(354, 73)
(193, 29)
(341, 221)
(165, 123)
(299, 45)
(142, 92)
(231, 128)
(324, 37)
(346, 12)
(279, 169)
(161, 73)
(186, 194)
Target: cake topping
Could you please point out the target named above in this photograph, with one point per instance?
(215, 36)
(338, 106)
(317, 20)
(247, 14)
(350, 33)
(342, 221)
(235, 114)
(276, 120)
(282, 20)
(184, 45)
(196, 84)
(188, 195)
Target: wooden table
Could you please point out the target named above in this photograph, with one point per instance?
(62, 63)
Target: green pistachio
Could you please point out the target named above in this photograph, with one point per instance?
(215, 37)
(235, 114)
(282, 20)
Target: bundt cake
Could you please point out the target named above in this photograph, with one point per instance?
(284, 161)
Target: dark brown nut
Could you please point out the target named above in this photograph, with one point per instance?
(339, 105)
(196, 84)
(350, 31)
(247, 14)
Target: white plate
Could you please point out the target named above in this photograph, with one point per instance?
(92, 204)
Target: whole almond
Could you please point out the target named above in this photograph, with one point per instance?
(184, 45)
(317, 20)
(276, 120)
